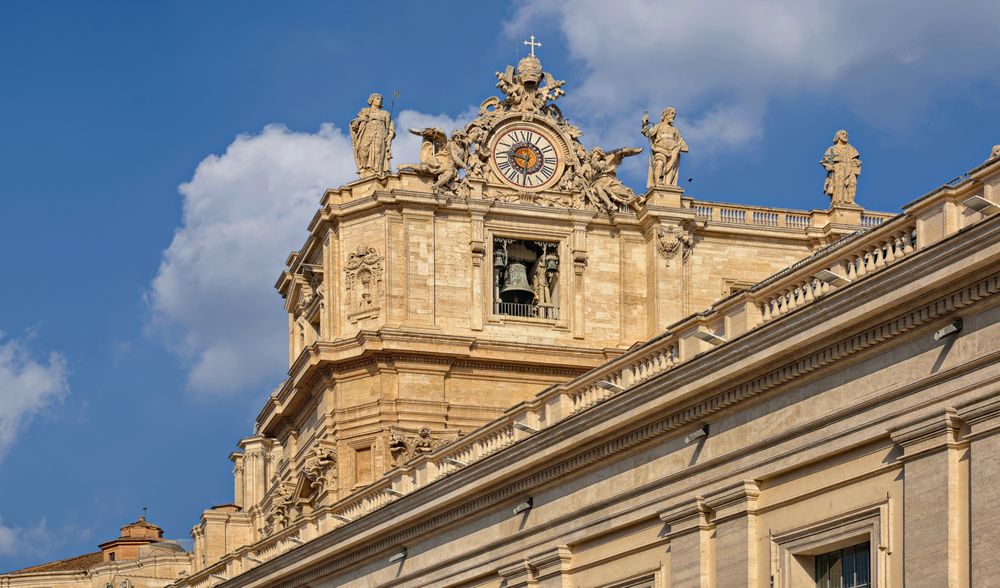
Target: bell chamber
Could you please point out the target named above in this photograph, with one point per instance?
(525, 278)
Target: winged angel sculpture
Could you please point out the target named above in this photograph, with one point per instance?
(440, 156)
(602, 188)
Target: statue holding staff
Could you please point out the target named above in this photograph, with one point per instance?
(666, 145)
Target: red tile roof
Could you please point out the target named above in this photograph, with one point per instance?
(78, 563)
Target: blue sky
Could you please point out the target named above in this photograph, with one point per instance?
(146, 205)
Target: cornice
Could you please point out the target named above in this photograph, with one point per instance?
(696, 408)
(387, 348)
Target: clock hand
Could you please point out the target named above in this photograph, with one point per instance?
(524, 166)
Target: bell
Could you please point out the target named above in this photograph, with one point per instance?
(516, 287)
(551, 263)
(499, 258)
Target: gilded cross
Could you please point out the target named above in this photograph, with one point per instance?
(532, 44)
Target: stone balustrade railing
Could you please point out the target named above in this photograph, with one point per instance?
(735, 214)
(837, 266)
(875, 251)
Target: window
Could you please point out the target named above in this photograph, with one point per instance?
(526, 278)
(845, 551)
(845, 568)
(111, 556)
(363, 467)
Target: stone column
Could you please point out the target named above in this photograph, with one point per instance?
(478, 248)
(692, 544)
(736, 534)
(238, 478)
(552, 568)
(331, 319)
(518, 575)
(255, 480)
(935, 502)
(669, 248)
(983, 419)
(579, 251)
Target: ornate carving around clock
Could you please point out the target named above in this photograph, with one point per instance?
(522, 141)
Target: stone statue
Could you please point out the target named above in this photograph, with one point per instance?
(522, 89)
(540, 285)
(666, 145)
(605, 190)
(440, 156)
(371, 136)
(843, 166)
(995, 154)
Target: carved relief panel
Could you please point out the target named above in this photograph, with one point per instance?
(363, 282)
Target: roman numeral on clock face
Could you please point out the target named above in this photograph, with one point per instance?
(525, 158)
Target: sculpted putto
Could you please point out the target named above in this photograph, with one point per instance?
(371, 136)
(666, 144)
(842, 163)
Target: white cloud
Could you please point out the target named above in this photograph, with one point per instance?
(213, 299)
(721, 63)
(24, 540)
(27, 385)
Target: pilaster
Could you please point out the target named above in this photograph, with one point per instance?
(692, 544)
(478, 249)
(518, 575)
(734, 514)
(579, 252)
(552, 568)
(983, 420)
(935, 501)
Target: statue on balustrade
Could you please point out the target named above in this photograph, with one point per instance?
(842, 163)
(371, 137)
(995, 154)
(666, 145)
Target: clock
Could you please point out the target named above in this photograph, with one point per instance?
(527, 157)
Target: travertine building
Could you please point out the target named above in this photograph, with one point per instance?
(508, 369)
(138, 558)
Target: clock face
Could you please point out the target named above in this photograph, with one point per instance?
(527, 157)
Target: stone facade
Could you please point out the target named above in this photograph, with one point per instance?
(847, 404)
(401, 337)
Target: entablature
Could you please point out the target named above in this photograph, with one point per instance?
(393, 347)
